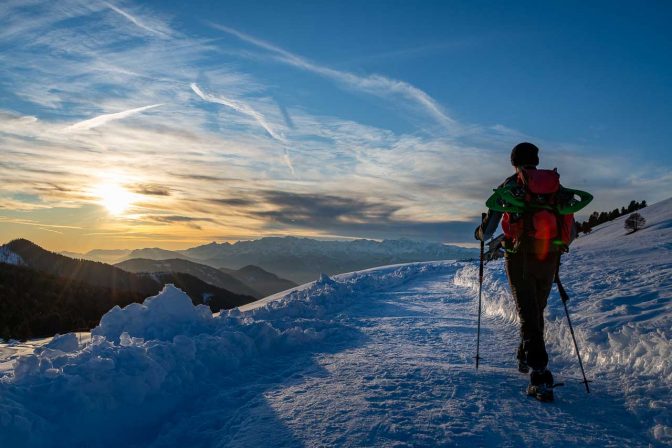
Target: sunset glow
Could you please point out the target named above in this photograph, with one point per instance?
(115, 198)
(137, 124)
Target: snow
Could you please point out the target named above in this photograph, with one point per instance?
(161, 317)
(620, 288)
(13, 349)
(9, 257)
(382, 357)
(66, 343)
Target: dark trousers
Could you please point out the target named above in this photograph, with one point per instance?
(531, 281)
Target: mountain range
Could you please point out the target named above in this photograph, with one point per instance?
(299, 259)
(250, 280)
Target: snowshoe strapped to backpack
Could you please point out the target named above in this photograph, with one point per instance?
(538, 211)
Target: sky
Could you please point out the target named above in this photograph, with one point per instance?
(128, 124)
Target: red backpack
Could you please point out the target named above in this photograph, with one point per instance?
(540, 225)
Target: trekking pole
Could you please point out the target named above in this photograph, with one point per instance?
(565, 298)
(480, 292)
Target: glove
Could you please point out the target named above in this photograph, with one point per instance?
(478, 233)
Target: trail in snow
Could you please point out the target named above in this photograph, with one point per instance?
(411, 381)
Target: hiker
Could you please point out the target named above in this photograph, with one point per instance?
(533, 241)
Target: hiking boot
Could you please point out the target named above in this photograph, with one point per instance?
(541, 385)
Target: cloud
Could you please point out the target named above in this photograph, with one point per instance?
(151, 190)
(50, 230)
(30, 222)
(21, 205)
(177, 218)
(373, 84)
(134, 20)
(238, 106)
(246, 109)
(235, 202)
(288, 161)
(355, 217)
(106, 118)
(285, 115)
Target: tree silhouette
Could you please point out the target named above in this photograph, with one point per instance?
(597, 218)
(634, 222)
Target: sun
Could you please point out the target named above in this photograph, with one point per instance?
(115, 198)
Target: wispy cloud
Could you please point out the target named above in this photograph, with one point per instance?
(50, 230)
(374, 84)
(134, 20)
(151, 190)
(288, 161)
(106, 118)
(247, 110)
(29, 222)
(241, 107)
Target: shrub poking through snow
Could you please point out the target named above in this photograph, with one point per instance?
(634, 222)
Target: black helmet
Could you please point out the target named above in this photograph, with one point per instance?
(525, 154)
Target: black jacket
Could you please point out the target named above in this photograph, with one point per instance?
(491, 221)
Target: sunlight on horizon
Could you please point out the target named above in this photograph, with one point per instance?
(114, 197)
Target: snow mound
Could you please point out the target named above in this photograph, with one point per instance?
(67, 343)
(160, 317)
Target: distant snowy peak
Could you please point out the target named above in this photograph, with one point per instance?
(155, 253)
(303, 259)
(9, 257)
(300, 246)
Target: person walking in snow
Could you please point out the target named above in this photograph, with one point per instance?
(533, 241)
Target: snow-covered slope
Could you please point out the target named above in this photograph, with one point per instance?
(9, 257)
(382, 357)
(620, 288)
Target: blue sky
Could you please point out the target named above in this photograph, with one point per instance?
(557, 70)
(128, 124)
